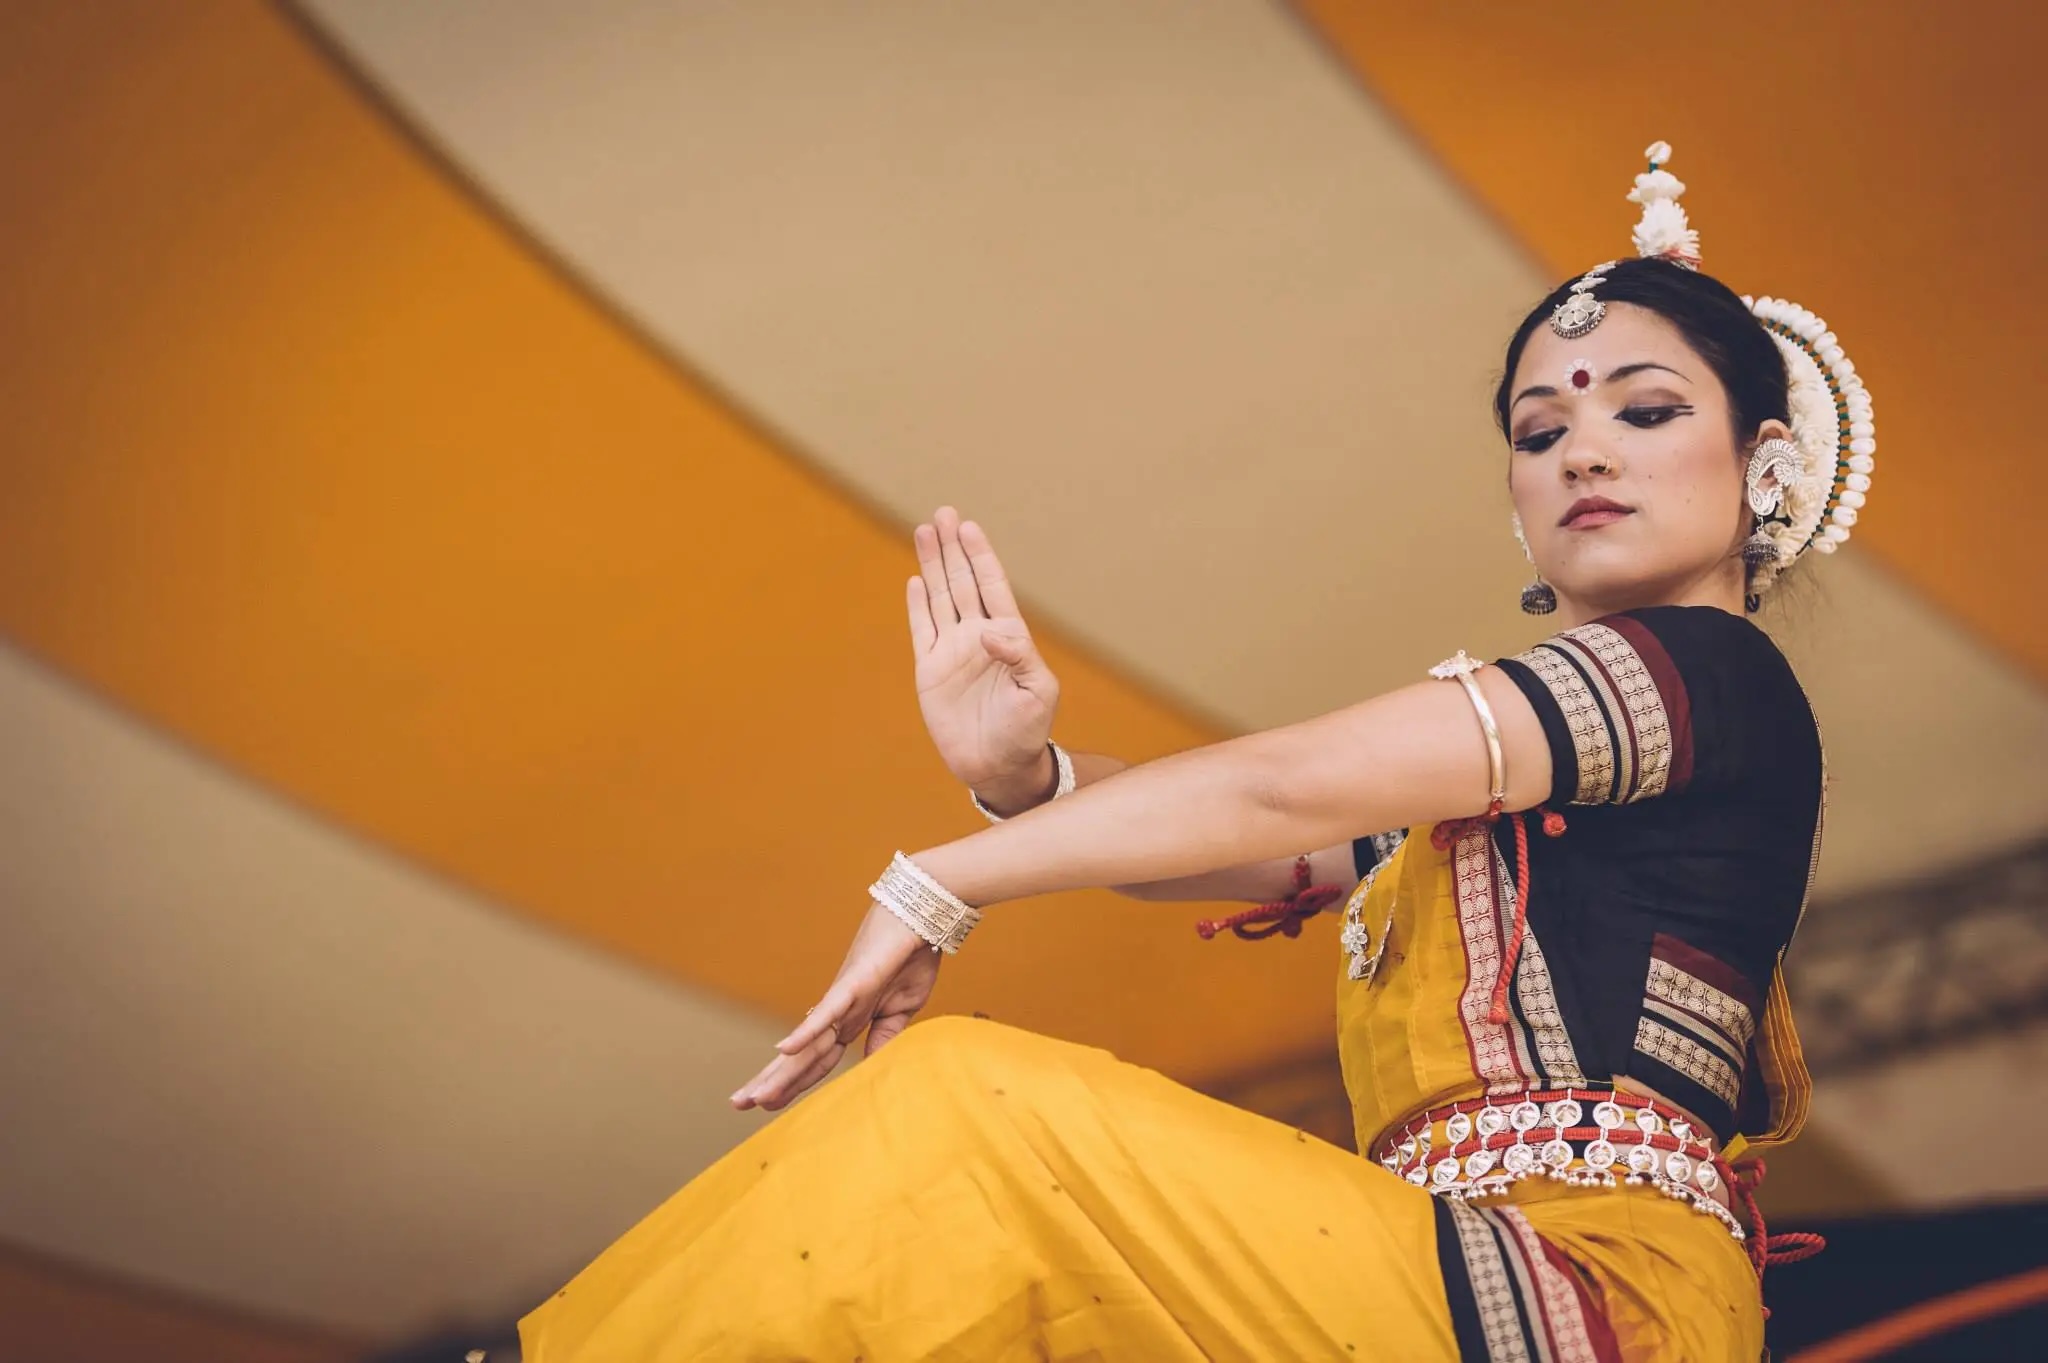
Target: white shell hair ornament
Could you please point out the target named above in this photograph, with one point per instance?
(1818, 480)
(1835, 430)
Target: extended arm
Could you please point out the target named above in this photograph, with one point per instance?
(1256, 882)
(1413, 756)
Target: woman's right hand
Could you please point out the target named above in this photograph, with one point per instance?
(987, 695)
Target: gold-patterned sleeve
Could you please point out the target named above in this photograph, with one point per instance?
(1655, 701)
(1615, 708)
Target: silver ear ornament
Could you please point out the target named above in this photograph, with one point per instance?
(1781, 463)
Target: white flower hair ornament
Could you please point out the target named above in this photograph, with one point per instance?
(1817, 496)
(1662, 233)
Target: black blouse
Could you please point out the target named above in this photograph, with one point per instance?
(1687, 765)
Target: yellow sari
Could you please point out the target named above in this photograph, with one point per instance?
(977, 1192)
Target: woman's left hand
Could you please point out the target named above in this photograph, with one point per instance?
(886, 977)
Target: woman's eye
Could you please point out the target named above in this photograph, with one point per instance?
(1538, 441)
(1652, 416)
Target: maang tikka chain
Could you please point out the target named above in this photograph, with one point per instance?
(1580, 312)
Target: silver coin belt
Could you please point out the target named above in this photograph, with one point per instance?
(1484, 1147)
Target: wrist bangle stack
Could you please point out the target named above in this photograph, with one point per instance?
(926, 907)
(1062, 763)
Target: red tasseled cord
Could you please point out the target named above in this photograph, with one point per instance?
(1446, 835)
(1282, 915)
(1764, 1248)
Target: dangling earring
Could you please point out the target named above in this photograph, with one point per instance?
(1758, 549)
(1537, 598)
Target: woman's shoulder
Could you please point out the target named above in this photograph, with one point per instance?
(1705, 642)
(1665, 697)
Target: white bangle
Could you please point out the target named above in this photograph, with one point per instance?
(926, 907)
(1460, 668)
(1062, 763)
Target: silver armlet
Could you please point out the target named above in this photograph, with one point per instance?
(1460, 667)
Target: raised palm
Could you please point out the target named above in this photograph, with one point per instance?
(987, 696)
(988, 699)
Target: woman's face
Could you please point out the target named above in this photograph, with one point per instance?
(1624, 469)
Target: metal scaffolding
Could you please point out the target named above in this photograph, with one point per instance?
(1916, 966)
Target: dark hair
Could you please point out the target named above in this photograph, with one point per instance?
(1713, 320)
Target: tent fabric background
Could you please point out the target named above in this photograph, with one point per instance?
(458, 479)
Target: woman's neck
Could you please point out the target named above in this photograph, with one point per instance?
(1719, 588)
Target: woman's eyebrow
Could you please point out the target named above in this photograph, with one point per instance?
(1544, 390)
(1638, 367)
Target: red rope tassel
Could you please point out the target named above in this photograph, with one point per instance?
(1446, 835)
(1282, 915)
(1764, 1248)
(1497, 1013)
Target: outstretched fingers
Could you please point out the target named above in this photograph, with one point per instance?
(989, 577)
(786, 1076)
(821, 1064)
(826, 1016)
(959, 572)
(748, 1094)
(924, 631)
(931, 566)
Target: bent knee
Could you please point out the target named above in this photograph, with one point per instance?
(973, 1044)
(953, 1032)
(969, 1060)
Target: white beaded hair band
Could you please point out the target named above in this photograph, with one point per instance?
(1836, 432)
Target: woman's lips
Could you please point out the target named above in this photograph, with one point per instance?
(1590, 513)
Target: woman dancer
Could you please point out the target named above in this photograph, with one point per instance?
(1563, 1026)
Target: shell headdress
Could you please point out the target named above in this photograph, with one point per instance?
(1824, 485)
